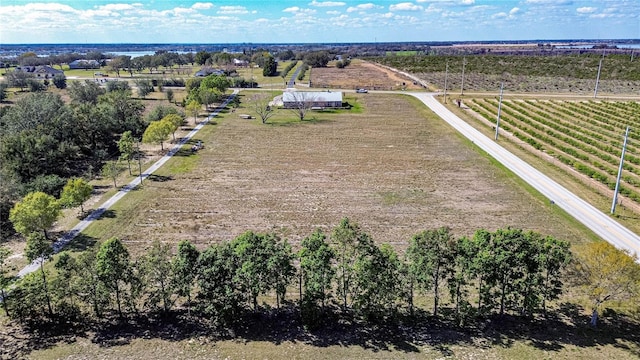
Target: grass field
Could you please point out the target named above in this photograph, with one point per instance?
(396, 169)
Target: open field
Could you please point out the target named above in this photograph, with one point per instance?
(395, 169)
(360, 74)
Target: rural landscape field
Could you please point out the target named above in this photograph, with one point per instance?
(384, 162)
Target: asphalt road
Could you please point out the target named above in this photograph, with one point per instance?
(600, 223)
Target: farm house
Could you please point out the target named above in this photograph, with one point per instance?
(318, 99)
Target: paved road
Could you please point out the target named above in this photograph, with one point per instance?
(95, 215)
(292, 80)
(600, 223)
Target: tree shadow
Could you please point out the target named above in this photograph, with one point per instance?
(159, 178)
(81, 242)
(402, 333)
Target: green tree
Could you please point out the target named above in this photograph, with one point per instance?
(28, 299)
(18, 78)
(270, 67)
(316, 259)
(184, 270)
(317, 58)
(60, 81)
(169, 94)
(91, 290)
(345, 238)
(157, 262)
(554, 257)
(201, 57)
(113, 267)
(37, 86)
(75, 193)
(145, 87)
(126, 113)
(174, 121)
(4, 279)
(193, 108)
(207, 96)
(281, 270)
(63, 285)
(127, 148)
(118, 86)
(157, 133)
(3, 91)
(216, 82)
(377, 279)
(460, 274)
(427, 257)
(111, 170)
(606, 273)
(37, 211)
(253, 252)
(39, 248)
(86, 92)
(219, 295)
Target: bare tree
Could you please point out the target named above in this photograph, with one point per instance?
(261, 104)
(300, 102)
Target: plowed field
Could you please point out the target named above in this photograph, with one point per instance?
(395, 169)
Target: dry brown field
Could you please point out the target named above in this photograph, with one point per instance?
(360, 74)
(395, 168)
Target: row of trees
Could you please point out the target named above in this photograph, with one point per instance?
(505, 271)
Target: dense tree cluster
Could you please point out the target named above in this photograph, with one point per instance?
(44, 141)
(506, 271)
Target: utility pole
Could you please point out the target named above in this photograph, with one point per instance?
(464, 62)
(615, 193)
(499, 110)
(446, 74)
(595, 92)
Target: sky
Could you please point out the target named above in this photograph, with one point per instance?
(314, 21)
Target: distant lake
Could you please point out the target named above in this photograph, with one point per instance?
(135, 54)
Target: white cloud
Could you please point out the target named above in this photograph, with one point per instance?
(586, 10)
(327, 3)
(549, 2)
(293, 9)
(363, 7)
(202, 6)
(514, 11)
(236, 10)
(405, 6)
(333, 12)
(468, 2)
(119, 7)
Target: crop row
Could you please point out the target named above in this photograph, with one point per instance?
(570, 131)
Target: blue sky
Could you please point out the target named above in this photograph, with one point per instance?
(286, 21)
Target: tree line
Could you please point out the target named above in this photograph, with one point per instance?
(507, 271)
